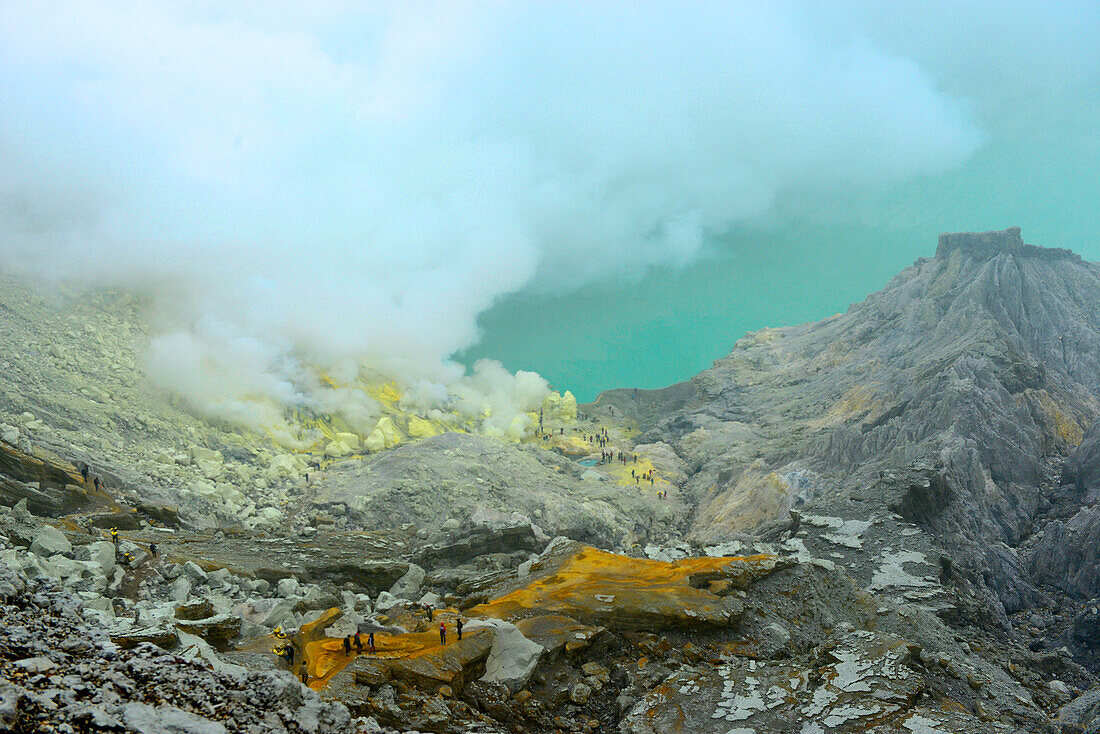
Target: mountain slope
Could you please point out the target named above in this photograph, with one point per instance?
(947, 400)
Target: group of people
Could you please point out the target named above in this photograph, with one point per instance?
(127, 558)
(601, 438)
(85, 470)
(646, 476)
(606, 457)
(443, 631)
(357, 641)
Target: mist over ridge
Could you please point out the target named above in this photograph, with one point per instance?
(318, 192)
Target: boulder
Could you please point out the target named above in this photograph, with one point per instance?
(269, 516)
(430, 599)
(217, 630)
(102, 552)
(420, 428)
(50, 541)
(166, 719)
(218, 577)
(350, 440)
(454, 664)
(193, 570)
(375, 442)
(512, 658)
(36, 665)
(288, 587)
(193, 647)
(195, 609)
(161, 636)
(286, 465)
(198, 453)
(266, 612)
(408, 586)
(386, 601)
(336, 449)
(69, 569)
(346, 625)
(180, 589)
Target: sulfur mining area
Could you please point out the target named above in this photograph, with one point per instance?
(885, 521)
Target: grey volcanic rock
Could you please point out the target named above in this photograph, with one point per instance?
(461, 476)
(50, 541)
(948, 401)
(96, 687)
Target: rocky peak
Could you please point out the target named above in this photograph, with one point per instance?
(988, 245)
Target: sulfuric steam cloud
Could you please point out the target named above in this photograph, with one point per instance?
(320, 199)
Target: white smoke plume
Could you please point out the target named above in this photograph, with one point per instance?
(308, 193)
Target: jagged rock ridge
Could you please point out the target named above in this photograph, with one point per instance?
(950, 399)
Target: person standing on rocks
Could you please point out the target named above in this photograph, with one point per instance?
(458, 628)
(442, 634)
(84, 472)
(114, 532)
(347, 645)
(358, 644)
(370, 642)
(153, 549)
(97, 483)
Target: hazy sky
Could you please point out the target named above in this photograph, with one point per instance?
(613, 191)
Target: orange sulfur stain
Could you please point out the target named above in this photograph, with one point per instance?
(597, 581)
(325, 657)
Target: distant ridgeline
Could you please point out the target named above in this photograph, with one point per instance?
(988, 245)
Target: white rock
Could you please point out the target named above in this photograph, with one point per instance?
(286, 464)
(512, 658)
(68, 569)
(198, 453)
(348, 439)
(337, 449)
(10, 434)
(102, 552)
(181, 589)
(270, 515)
(50, 541)
(346, 625)
(209, 469)
(376, 441)
(167, 719)
(408, 586)
(431, 599)
(288, 587)
(193, 647)
(193, 570)
(36, 665)
(386, 601)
